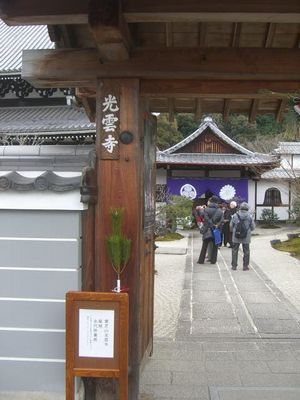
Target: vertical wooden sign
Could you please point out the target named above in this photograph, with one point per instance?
(109, 123)
(97, 338)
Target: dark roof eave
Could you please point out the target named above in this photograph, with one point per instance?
(267, 164)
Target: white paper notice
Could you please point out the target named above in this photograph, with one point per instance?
(96, 333)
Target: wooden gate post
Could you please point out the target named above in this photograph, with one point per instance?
(119, 169)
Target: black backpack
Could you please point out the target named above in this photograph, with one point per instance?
(241, 230)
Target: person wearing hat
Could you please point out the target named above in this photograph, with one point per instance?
(228, 213)
(212, 217)
(241, 225)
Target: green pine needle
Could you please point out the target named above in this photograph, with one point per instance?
(118, 246)
(126, 250)
(114, 247)
(116, 220)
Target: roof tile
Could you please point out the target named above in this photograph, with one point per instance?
(14, 39)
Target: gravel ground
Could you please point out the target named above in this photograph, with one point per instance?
(279, 266)
(171, 269)
(168, 288)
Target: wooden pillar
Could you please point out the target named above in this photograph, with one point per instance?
(255, 199)
(119, 169)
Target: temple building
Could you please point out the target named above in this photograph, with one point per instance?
(209, 162)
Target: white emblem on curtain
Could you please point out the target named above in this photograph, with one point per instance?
(227, 192)
(189, 191)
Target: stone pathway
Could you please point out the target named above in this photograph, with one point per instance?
(234, 335)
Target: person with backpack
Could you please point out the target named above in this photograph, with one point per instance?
(228, 213)
(212, 218)
(241, 225)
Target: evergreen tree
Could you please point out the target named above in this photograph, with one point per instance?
(186, 124)
(167, 133)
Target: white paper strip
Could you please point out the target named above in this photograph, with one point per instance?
(96, 333)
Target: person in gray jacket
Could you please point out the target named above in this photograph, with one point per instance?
(249, 225)
(212, 217)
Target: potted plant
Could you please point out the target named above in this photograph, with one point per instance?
(118, 246)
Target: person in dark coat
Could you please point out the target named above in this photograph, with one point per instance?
(228, 213)
(247, 218)
(213, 217)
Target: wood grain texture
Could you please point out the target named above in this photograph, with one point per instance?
(198, 88)
(120, 185)
(77, 67)
(75, 11)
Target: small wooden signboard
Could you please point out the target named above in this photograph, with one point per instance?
(97, 338)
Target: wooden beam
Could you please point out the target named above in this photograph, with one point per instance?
(281, 108)
(82, 92)
(209, 107)
(109, 30)
(171, 107)
(253, 110)
(209, 89)
(270, 33)
(37, 12)
(202, 34)
(297, 41)
(198, 110)
(77, 67)
(226, 109)
(22, 12)
(169, 34)
(220, 89)
(236, 34)
(90, 108)
(63, 35)
(213, 10)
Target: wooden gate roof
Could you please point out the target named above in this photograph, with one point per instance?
(192, 56)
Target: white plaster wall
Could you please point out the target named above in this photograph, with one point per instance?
(251, 195)
(161, 176)
(262, 186)
(296, 161)
(282, 212)
(33, 200)
(45, 200)
(35, 174)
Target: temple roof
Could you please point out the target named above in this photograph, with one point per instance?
(282, 173)
(215, 159)
(49, 120)
(288, 148)
(47, 180)
(240, 156)
(15, 39)
(208, 123)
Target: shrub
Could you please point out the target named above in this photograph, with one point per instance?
(295, 211)
(269, 217)
(177, 211)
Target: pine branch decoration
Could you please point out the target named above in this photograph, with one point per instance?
(118, 246)
(114, 247)
(116, 215)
